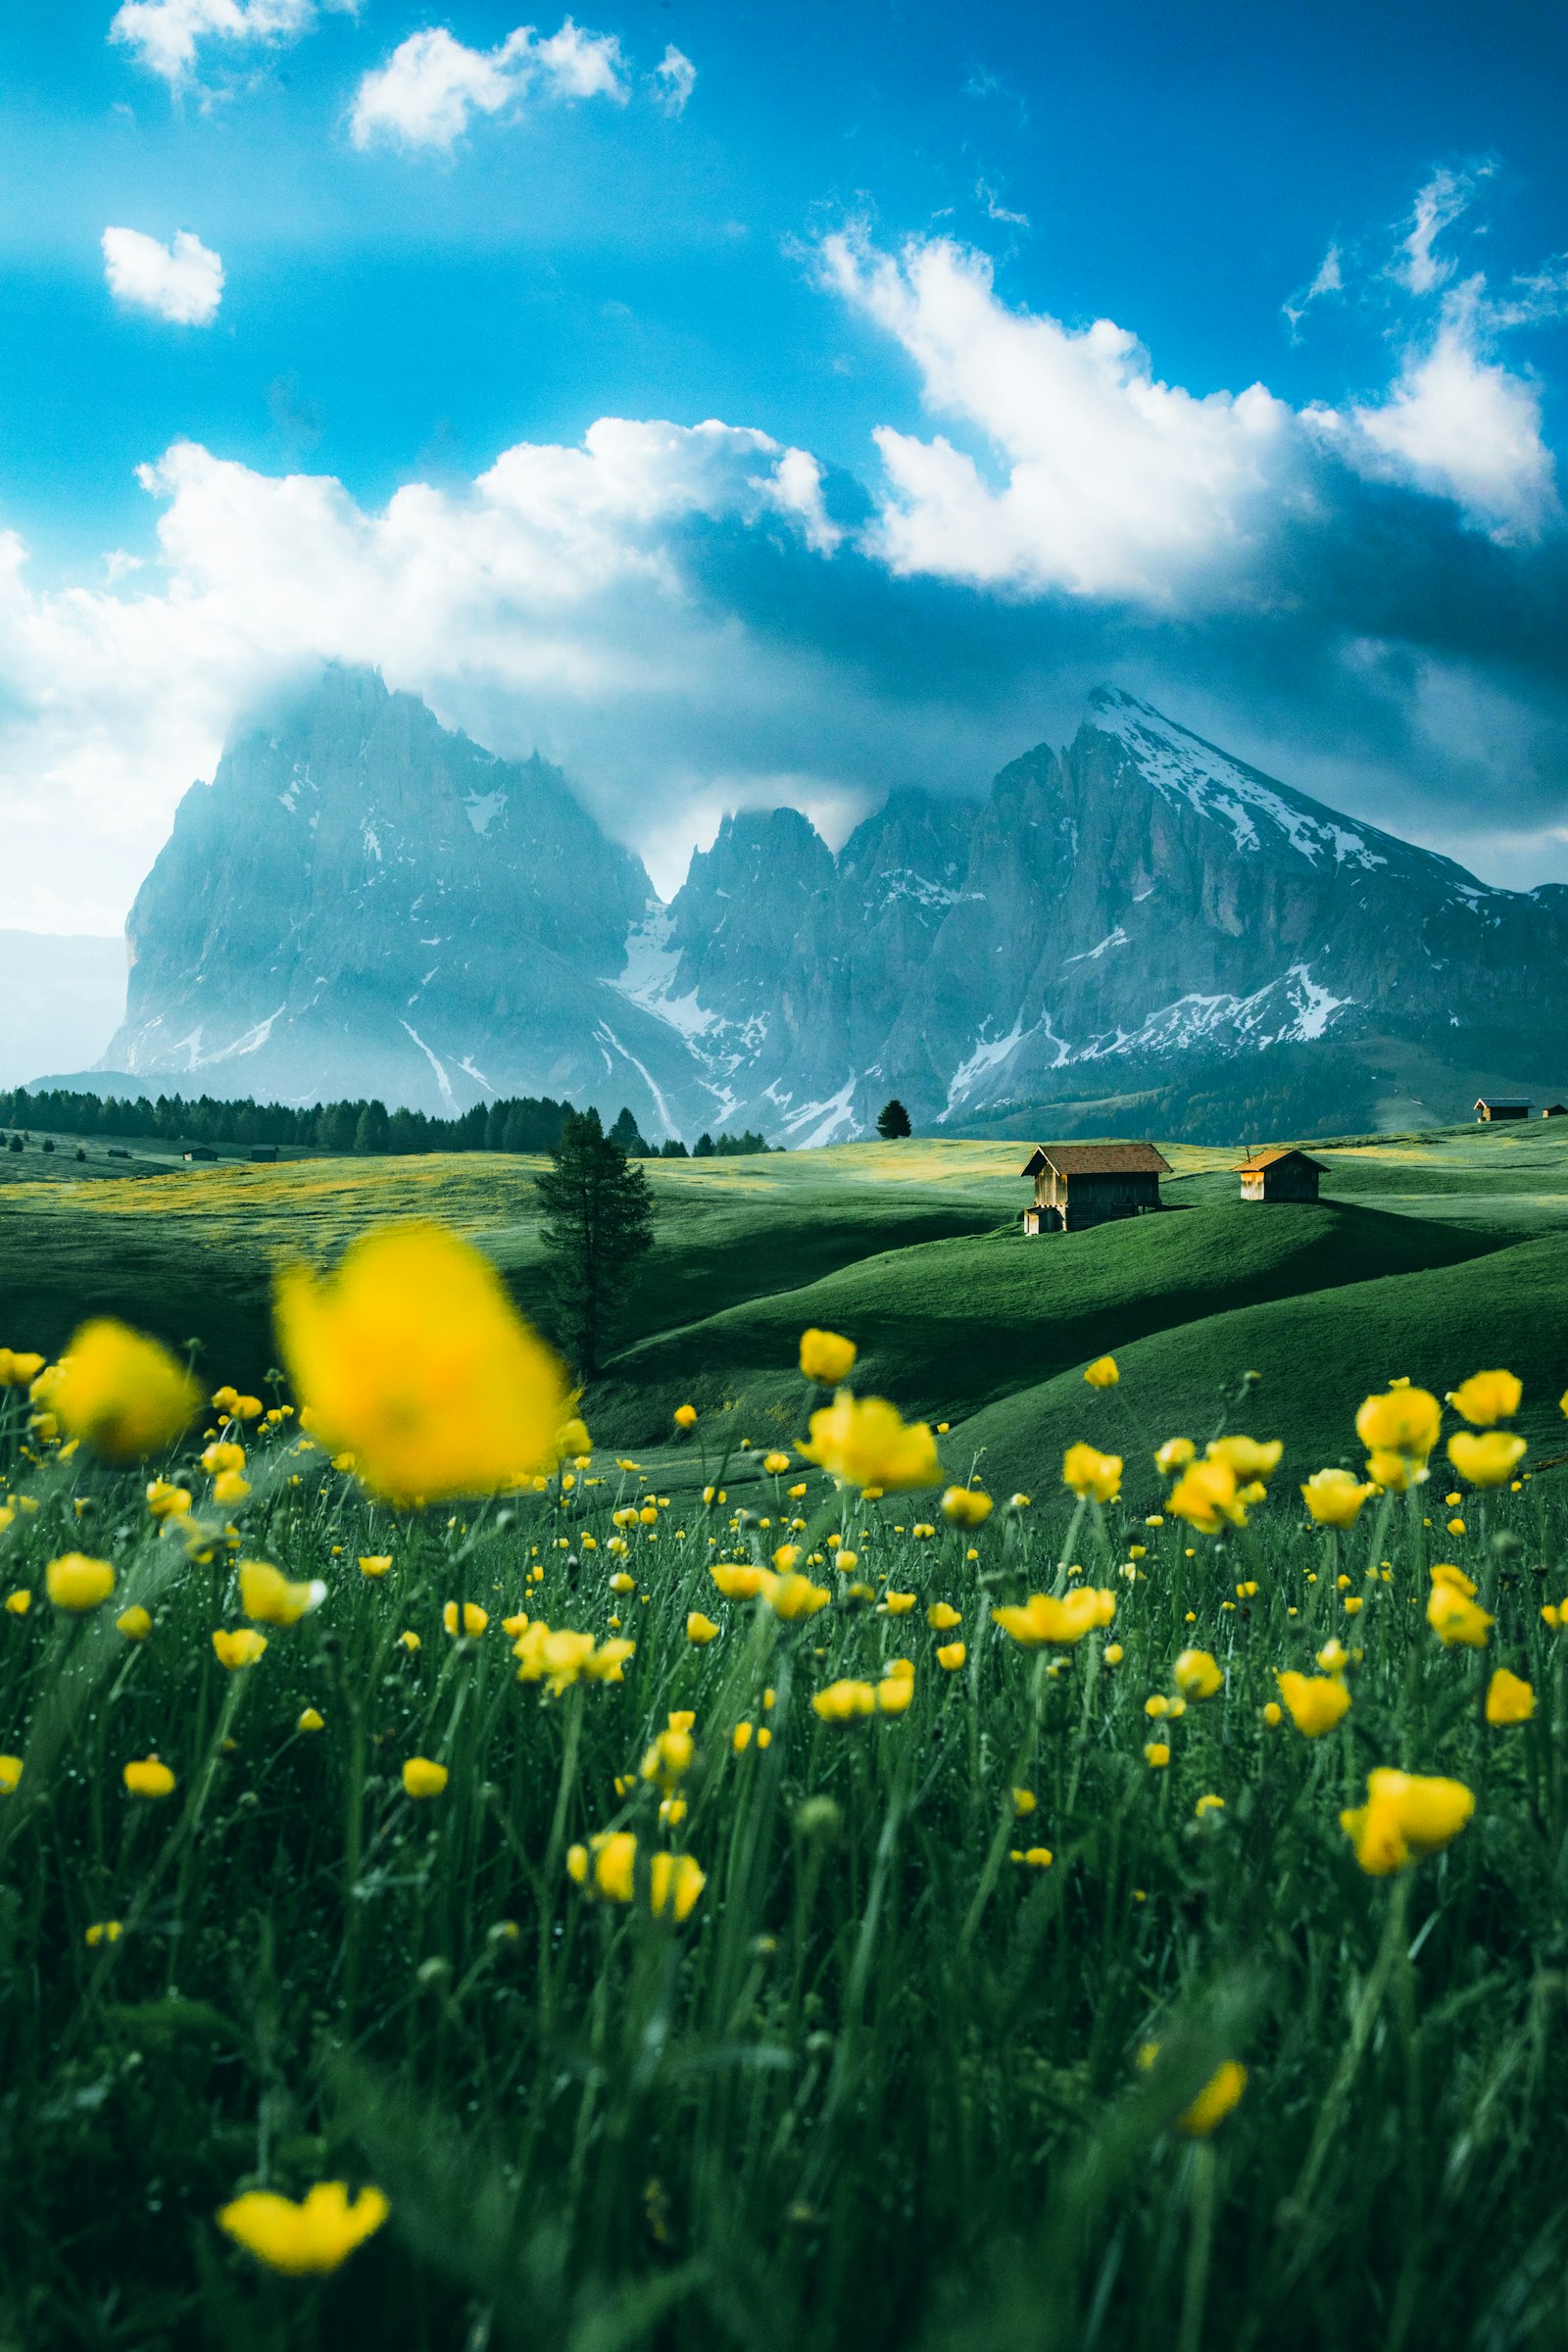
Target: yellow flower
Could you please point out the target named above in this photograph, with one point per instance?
(825, 1359)
(149, 1776)
(866, 1441)
(1456, 1619)
(422, 1776)
(1103, 1372)
(1334, 1497)
(844, 1702)
(1316, 1702)
(124, 1393)
(775, 1464)
(409, 1641)
(240, 1649)
(166, 1502)
(1400, 1427)
(1442, 1573)
(896, 1690)
(942, 1617)
(796, 1597)
(1035, 1858)
(413, 1355)
(1206, 1495)
(1407, 1816)
(1247, 1457)
(230, 1488)
(1174, 1455)
(1090, 1473)
(952, 1656)
(17, 1370)
(74, 1583)
(1025, 1801)
(19, 1601)
(474, 1619)
(375, 1563)
(223, 1456)
(308, 2239)
(1487, 1397)
(737, 1583)
(700, 1629)
(1219, 2094)
(1197, 1674)
(11, 1770)
(1489, 1459)
(135, 1623)
(670, 1757)
(103, 1931)
(607, 1866)
(685, 1416)
(899, 1604)
(312, 1720)
(1157, 1755)
(676, 1882)
(965, 1506)
(1113, 1653)
(267, 1597)
(1043, 1618)
(1509, 1697)
(1209, 1804)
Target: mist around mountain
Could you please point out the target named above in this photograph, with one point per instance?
(61, 995)
(1136, 931)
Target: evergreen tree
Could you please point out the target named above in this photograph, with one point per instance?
(628, 1135)
(893, 1122)
(599, 1220)
(372, 1129)
(674, 1149)
(705, 1147)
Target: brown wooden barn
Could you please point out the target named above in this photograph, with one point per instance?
(1502, 1107)
(1281, 1174)
(1077, 1185)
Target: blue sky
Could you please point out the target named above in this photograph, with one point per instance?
(869, 245)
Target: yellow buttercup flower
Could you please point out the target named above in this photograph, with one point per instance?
(311, 1720)
(867, 1442)
(795, 1597)
(844, 1702)
(1219, 2094)
(1487, 1397)
(559, 1660)
(308, 2239)
(1509, 1699)
(136, 1623)
(825, 1357)
(149, 1776)
(1334, 1497)
(11, 1771)
(1407, 1816)
(166, 1502)
(1398, 1430)
(951, 1656)
(413, 1355)
(775, 1464)
(103, 1931)
(1316, 1702)
(76, 1584)
(1197, 1674)
(474, 1619)
(267, 1597)
(1092, 1474)
(1043, 1618)
(242, 1647)
(423, 1777)
(685, 1416)
(375, 1563)
(1488, 1458)
(607, 1866)
(1208, 1497)
(700, 1629)
(942, 1616)
(1247, 1457)
(737, 1583)
(19, 1370)
(965, 1506)
(1103, 1372)
(899, 1604)
(1456, 1619)
(122, 1391)
(1174, 1455)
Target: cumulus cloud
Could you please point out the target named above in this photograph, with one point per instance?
(432, 85)
(1437, 206)
(181, 281)
(165, 35)
(674, 79)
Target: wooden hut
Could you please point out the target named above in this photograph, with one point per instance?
(1502, 1107)
(1077, 1185)
(1555, 1110)
(1281, 1174)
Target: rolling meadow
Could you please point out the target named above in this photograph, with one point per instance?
(970, 1793)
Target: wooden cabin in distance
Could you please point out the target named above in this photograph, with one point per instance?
(1502, 1107)
(1077, 1185)
(1281, 1174)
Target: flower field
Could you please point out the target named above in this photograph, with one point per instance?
(457, 1893)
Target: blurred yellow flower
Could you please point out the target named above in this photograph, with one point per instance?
(825, 1357)
(1317, 1702)
(1092, 1474)
(414, 1355)
(1174, 1455)
(122, 1391)
(775, 1464)
(942, 1617)
(1398, 1430)
(241, 1647)
(867, 1442)
(1407, 1816)
(166, 1502)
(1206, 1495)
(700, 1629)
(1197, 1674)
(1219, 2094)
(685, 1416)
(74, 1583)
(149, 1776)
(1487, 1397)
(11, 1770)
(1157, 1755)
(898, 1604)
(952, 1656)
(230, 1488)
(607, 1866)
(422, 1776)
(1509, 1699)
(1247, 1457)
(1334, 1497)
(1488, 1458)
(136, 1623)
(103, 1931)
(844, 1702)
(474, 1619)
(311, 1720)
(1043, 1618)
(1456, 1620)
(796, 1597)
(967, 1506)
(308, 2239)
(375, 1563)
(267, 1597)
(1103, 1372)
(19, 1370)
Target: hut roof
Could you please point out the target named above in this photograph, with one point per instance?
(1272, 1157)
(1504, 1103)
(1098, 1159)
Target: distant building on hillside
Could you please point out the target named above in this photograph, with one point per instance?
(1077, 1185)
(263, 1155)
(1281, 1174)
(1502, 1107)
(1555, 1110)
(200, 1151)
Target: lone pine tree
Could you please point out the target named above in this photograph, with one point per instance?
(892, 1120)
(599, 1221)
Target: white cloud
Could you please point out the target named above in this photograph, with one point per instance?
(432, 85)
(1330, 279)
(183, 281)
(1437, 206)
(1115, 482)
(165, 35)
(674, 79)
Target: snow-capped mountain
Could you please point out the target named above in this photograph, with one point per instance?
(361, 903)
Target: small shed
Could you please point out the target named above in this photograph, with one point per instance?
(1077, 1185)
(263, 1155)
(1555, 1110)
(1502, 1107)
(1281, 1174)
(200, 1151)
